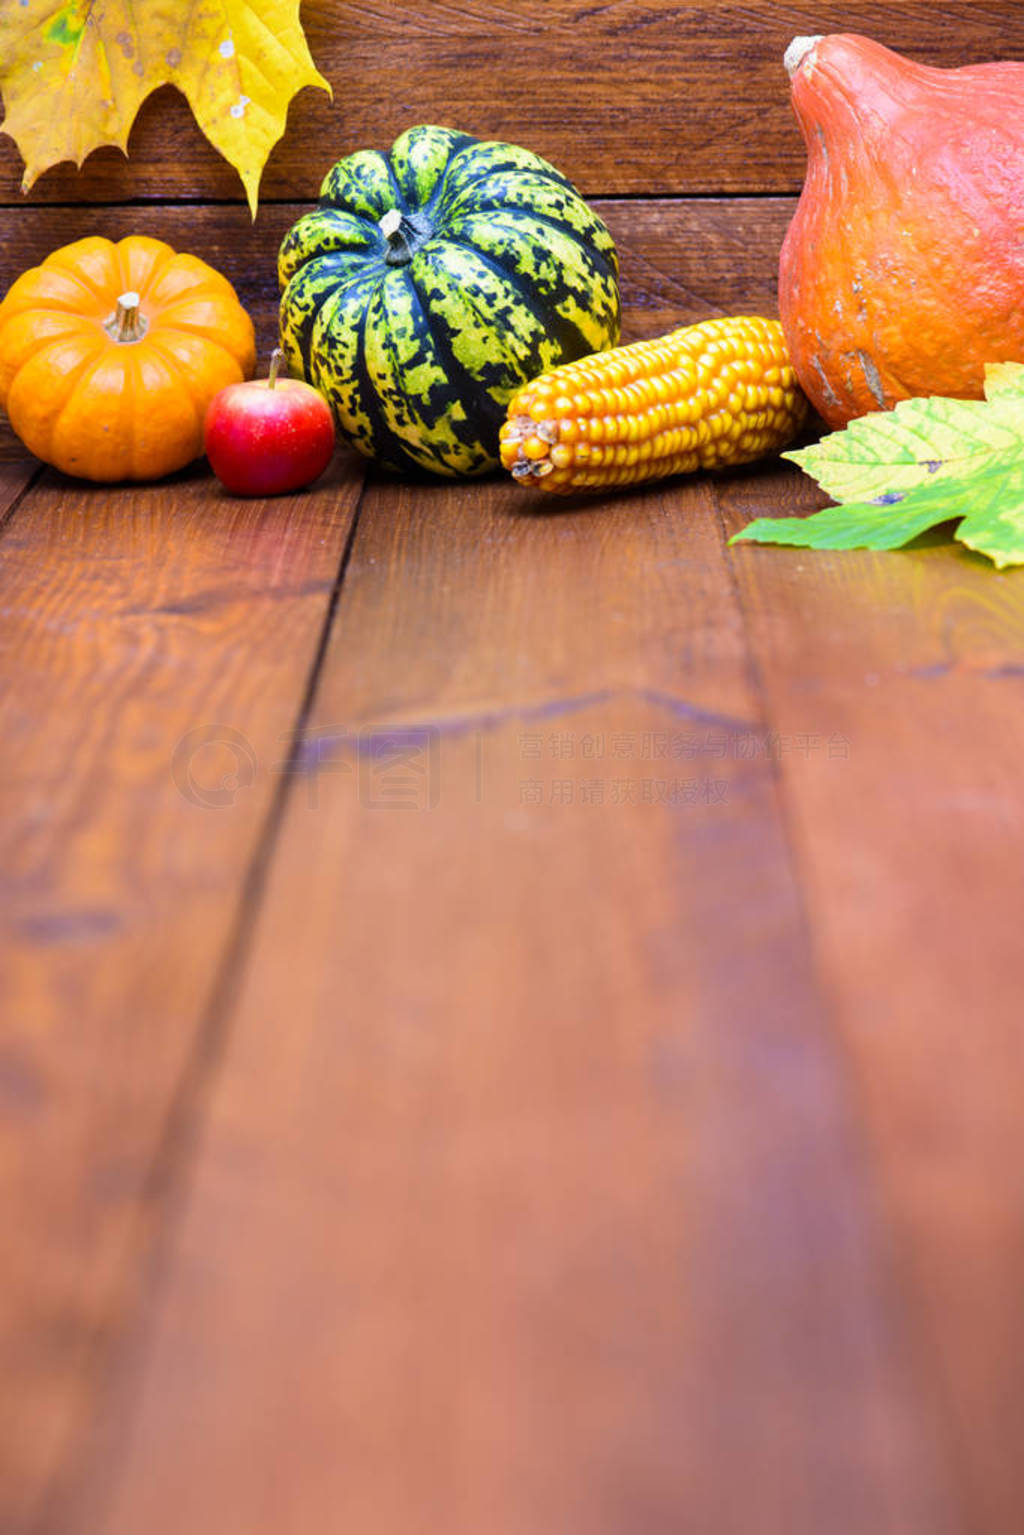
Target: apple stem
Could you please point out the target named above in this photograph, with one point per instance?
(276, 362)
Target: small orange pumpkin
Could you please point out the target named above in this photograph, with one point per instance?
(903, 269)
(110, 354)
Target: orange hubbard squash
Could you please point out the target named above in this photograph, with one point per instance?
(110, 354)
(902, 272)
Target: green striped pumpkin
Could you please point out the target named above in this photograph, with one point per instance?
(429, 283)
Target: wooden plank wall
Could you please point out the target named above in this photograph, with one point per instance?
(647, 105)
(640, 99)
(161, 1106)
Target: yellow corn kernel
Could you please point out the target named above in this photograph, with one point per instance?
(710, 395)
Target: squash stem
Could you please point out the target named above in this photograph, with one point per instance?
(404, 233)
(127, 323)
(797, 51)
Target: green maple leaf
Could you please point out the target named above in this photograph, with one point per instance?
(927, 462)
(74, 73)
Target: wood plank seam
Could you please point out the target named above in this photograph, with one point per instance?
(301, 1075)
(8, 514)
(164, 1188)
(890, 1260)
(212, 1034)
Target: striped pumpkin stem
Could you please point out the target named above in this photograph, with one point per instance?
(404, 233)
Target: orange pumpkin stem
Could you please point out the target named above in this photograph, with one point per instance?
(797, 51)
(127, 323)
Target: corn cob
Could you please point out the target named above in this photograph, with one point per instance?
(718, 393)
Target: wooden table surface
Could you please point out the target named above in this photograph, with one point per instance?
(511, 1013)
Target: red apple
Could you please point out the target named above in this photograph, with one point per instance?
(268, 435)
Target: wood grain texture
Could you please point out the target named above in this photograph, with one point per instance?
(581, 1093)
(680, 259)
(647, 97)
(15, 477)
(136, 625)
(912, 857)
(528, 1198)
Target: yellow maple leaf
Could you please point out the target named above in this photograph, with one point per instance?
(74, 74)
